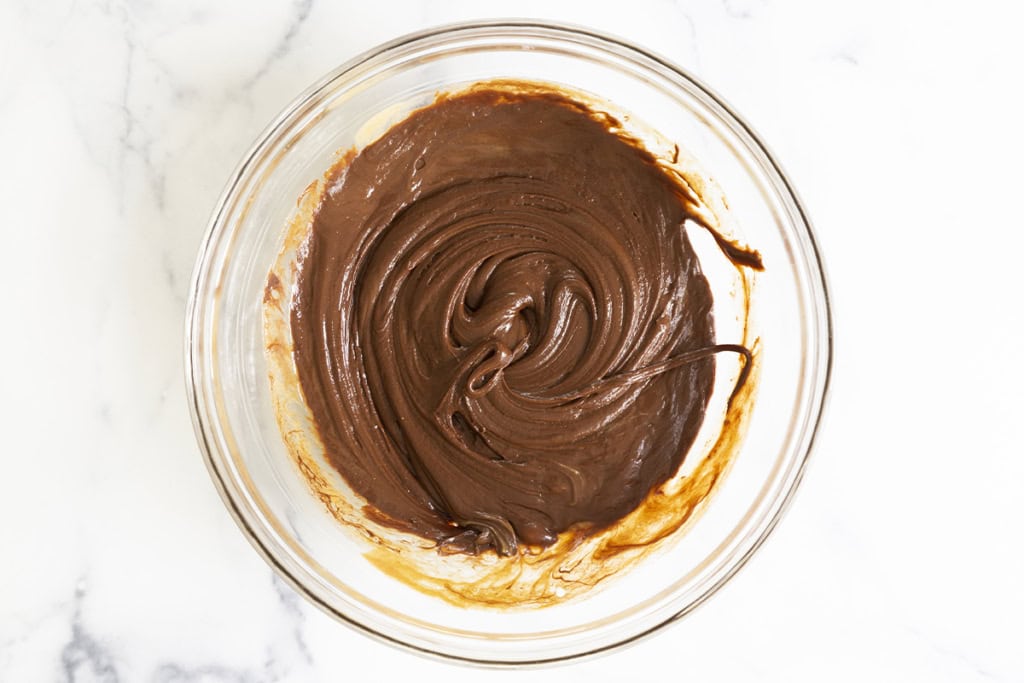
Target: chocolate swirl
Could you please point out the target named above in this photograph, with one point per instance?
(500, 326)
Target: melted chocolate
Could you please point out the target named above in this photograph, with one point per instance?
(500, 326)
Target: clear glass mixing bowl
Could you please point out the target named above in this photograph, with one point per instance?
(227, 369)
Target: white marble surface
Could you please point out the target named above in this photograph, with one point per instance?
(900, 123)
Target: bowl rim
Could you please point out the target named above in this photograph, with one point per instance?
(818, 282)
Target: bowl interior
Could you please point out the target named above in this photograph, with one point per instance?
(232, 403)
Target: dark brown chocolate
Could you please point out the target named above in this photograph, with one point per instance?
(500, 326)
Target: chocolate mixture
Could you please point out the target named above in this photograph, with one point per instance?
(500, 326)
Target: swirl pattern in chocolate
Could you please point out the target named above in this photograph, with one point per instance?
(500, 326)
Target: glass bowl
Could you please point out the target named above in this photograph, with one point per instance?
(227, 368)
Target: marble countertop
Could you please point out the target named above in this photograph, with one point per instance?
(900, 123)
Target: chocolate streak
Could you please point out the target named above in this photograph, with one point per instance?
(500, 326)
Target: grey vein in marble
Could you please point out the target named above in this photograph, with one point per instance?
(83, 656)
(174, 673)
(951, 655)
(844, 56)
(170, 268)
(302, 9)
(292, 608)
(740, 9)
(135, 139)
(691, 28)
